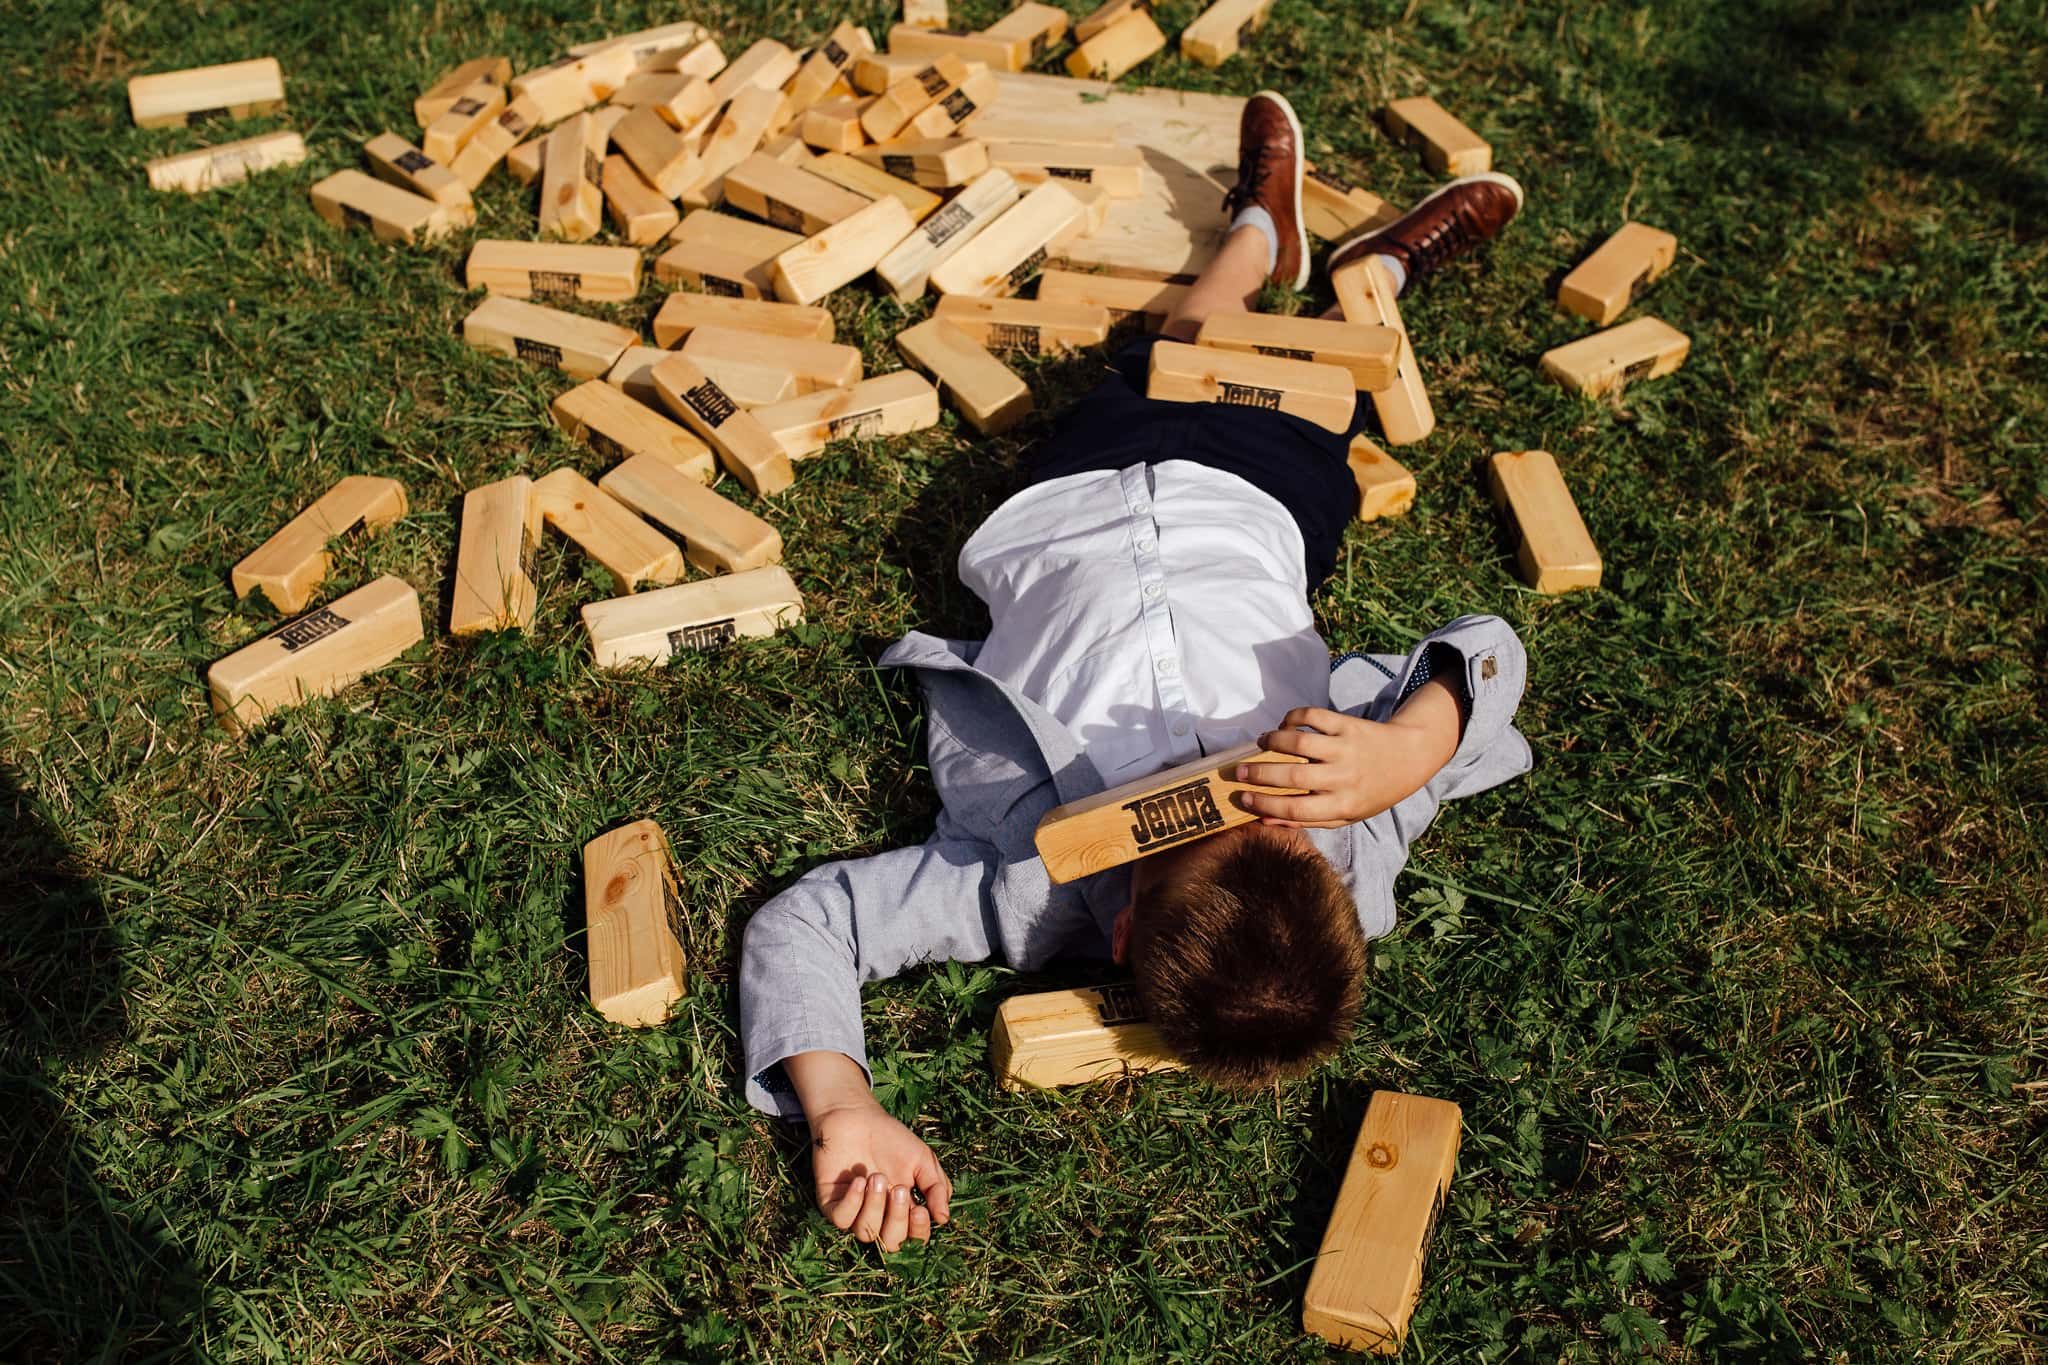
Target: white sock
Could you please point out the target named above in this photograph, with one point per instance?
(1395, 269)
(1254, 216)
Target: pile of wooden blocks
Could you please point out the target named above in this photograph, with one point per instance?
(206, 94)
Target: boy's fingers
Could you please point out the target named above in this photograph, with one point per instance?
(896, 1221)
(1312, 776)
(1301, 743)
(938, 1191)
(842, 1205)
(1321, 717)
(920, 1223)
(868, 1225)
(1305, 810)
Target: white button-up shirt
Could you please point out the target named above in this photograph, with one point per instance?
(1160, 612)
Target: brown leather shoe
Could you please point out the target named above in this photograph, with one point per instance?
(1447, 224)
(1269, 176)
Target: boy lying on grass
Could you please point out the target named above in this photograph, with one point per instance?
(1149, 603)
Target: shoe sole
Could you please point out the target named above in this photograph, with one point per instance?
(1301, 272)
(1512, 185)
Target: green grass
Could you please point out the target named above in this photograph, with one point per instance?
(1744, 991)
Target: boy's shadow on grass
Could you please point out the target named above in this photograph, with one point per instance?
(80, 1277)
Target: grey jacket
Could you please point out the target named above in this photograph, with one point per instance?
(976, 888)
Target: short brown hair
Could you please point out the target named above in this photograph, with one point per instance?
(1250, 965)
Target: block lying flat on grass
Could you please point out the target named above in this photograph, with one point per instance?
(1005, 253)
(988, 393)
(602, 415)
(1552, 546)
(1032, 326)
(494, 588)
(450, 85)
(1603, 285)
(744, 448)
(645, 43)
(351, 199)
(580, 347)
(1448, 147)
(174, 99)
(1031, 30)
(682, 314)
(293, 562)
(652, 627)
(1385, 488)
(718, 536)
(1113, 51)
(1218, 31)
(908, 266)
(1645, 348)
(1153, 301)
(816, 364)
(1368, 1271)
(788, 198)
(632, 925)
(1137, 819)
(1120, 171)
(934, 44)
(394, 159)
(842, 252)
(1335, 209)
(874, 182)
(639, 212)
(481, 154)
(715, 270)
(1199, 374)
(887, 405)
(1074, 1037)
(554, 270)
(1365, 293)
(468, 114)
(317, 655)
(226, 163)
(1368, 353)
(630, 550)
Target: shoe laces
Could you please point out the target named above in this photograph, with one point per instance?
(1252, 175)
(1446, 237)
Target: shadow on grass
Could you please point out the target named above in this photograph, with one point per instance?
(81, 1277)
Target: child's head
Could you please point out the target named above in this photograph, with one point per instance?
(1247, 953)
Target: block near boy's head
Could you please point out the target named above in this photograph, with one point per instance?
(1247, 954)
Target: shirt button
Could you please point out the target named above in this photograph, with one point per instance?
(1142, 509)
(1145, 548)
(1152, 592)
(1180, 727)
(1169, 667)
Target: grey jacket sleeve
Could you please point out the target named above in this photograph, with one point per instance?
(808, 950)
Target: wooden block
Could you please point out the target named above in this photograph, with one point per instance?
(1111, 53)
(743, 446)
(1075, 128)
(1368, 1271)
(748, 383)
(1032, 326)
(1073, 1037)
(767, 65)
(789, 150)
(394, 159)
(887, 405)
(644, 43)
(741, 236)
(630, 550)
(351, 199)
(842, 252)
(571, 201)
(682, 314)
(481, 154)
(1385, 489)
(988, 393)
(1552, 546)
(1137, 819)
(557, 90)
(523, 163)
(580, 347)
(701, 59)
(554, 270)
(1335, 210)
(937, 163)
(1217, 33)
(1102, 16)
(466, 116)
(897, 105)
(494, 588)
(907, 267)
(632, 925)
(226, 163)
(657, 151)
(1118, 170)
(792, 199)
(1448, 147)
(1149, 301)
(718, 536)
(955, 105)
(640, 213)
(874, 182)
(1031, 29)
(316, 655)
(1365, 293)
(1645, 348)
(1005, 253)
(820, 71)
(177, 99)
(652, 627)
(935, 43)
(293, 562)
(604, 72)
(602, 415)
(875, 72)
(715, 270)
(1198, 374)
(834, 124)
(924, 13)
(1600, 287)
(733, 138)
(1368, 353)
(630, 373)
(451, 85)
(678, 100)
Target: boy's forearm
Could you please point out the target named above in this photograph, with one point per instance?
(1434, 718)
(825, 1081)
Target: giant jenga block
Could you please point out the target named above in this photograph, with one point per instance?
(1073, 1037)
(226, 163)
(289, 565)
(887, 405)
(1370, 354)
(580, 347)
(1031, 30)
(1218, 31)
(766, 65)
(681, 314)
(1149, 302)
(571, 198)
(1603, 285)
(988, 393)
(553, 270)
(1198, 374)
(908, 40)
(1030, 326)
(908, 267)
(743, 447)
(1119, 171)
(351, 199)
(1113, 51)
(1365, 293)
(1645, 348)
(450, 85)
(1005, 253)
(648, 43)
(630, 550)
(174, 99)
(822, 70)
(1105, 14)
(787, 197)
(1146, 816)
(875, 183)
(732, 139)
(639, 212)
(1385, 489)
(652, 627)
(600, 414)
(840, 253)
(394, 159)
(656, 150)
(1553, 549)
(902, 101)
(316, 655)
(632, 925)
(1448, 147)
(935, 163)
(484, 149)
(718, 536)
(1337, 210)
(494, 587)
(817, 364)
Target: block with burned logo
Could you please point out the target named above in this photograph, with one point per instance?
(316, 655)
(988, 393)
(394, 159)
(1138, 819)
(603, 415)
(225, 163)
(451, 85)
(467, 114)
(1120, 171)
(293, 562)
(630, 550)
(1448, 147)
(1004, 255)
(788, 197)
(715, 270)
(1365, 294)
(1200, 374)
(350, 199)
(875, 183)
(1368, 353)
(1600, 287)
(653, 627)
(632, 925)
(1073, 1037)
(820, 71)
(554, 270)
(1113, 51)
(1148, 302)
(874, 73)
(1031, 30)
(718, 536)
(681, 314)
(936, 163)
(909, 95)
(949, 228)
(749, 453)
(1029, 326)
(750, 384)
(955, 104)
(580, 347)
(1553, 549)
(887, 405)
(816, 364)
(841, 253)
(639, 212)
(175, 99)
(524, 161)
(494, 587)
(481, 154)
(1645, 348)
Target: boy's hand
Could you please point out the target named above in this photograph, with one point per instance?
(1356, 768)
(866, 1164)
